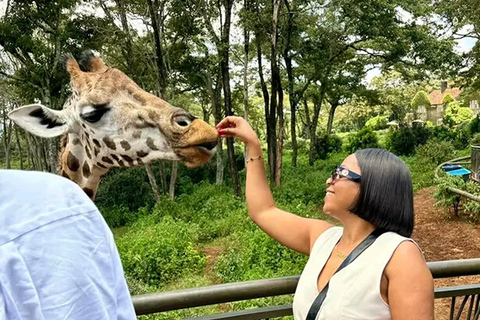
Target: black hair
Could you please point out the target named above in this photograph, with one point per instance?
(386, 191)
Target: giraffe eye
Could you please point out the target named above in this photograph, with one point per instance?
(95, 115)
(183, 120)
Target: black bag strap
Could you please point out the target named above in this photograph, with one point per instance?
(317, 303)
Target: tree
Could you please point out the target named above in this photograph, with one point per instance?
(447, 99)
(33, 37)
(420, 99)
(455, 114)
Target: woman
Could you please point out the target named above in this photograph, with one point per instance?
(371, 190)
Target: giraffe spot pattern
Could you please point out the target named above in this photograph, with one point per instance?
(137, 134)
(151, 144)
(65, 175)
(125, 145)
(89, 192)
(72, 162)
(114, 156)
(96, 151)
(127, 158)
(109, 143)
(142, 153)
(107, 160)
(87, 151)
(97, 143)
(86, 170)
(101, 165)
(76, 142)
(140, 162)
(121, 163)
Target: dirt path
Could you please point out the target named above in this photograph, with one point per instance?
(443, 238)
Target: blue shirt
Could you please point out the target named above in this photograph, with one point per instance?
(58, 258)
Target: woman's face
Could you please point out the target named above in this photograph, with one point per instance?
(343, 188)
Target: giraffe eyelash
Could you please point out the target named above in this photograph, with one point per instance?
(95, 115)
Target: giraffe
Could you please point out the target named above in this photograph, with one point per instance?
(109, 121)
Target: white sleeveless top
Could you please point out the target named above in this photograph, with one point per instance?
(354, 292)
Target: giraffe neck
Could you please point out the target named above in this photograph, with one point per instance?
(76, 166)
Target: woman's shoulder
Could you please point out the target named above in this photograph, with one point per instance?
(407, 253)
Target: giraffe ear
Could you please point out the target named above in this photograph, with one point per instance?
(40, 120)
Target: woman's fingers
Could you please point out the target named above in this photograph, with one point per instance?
(227, 122)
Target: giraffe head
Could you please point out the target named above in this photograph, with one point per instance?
(112, 122)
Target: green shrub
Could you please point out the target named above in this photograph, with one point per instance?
(462, 136)
(326, 144)
(161, 252)
(443, 133)
(404, 140)
(365, 138)
(377, 123)
(435, 151)
(258, 257)
(475, 125)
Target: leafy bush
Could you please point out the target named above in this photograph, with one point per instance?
(420, 99)
(475, 125)
(462, 136)
(456, 114)
(404, 140)
(471, 208)
(258, 257)
(326, 144)
(443, 133)
(160, 252)
(447, 98)
(365, 138)
(377, 123)
(435, 151)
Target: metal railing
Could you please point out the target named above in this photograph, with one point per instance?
(231, 292)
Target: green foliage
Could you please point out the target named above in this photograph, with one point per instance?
(447, 199)
(456, 114)
(404, 140)
(475, 140)
(377, 123)
(365, 138)
(435, 151)
(475, 125)
(161, 252)
(115, 191)
(447, 98)
(420, 99)
(260, 257)
(326, 144)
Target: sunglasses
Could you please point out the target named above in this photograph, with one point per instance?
(341, 172)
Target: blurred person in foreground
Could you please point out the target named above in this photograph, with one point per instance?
(58, 258)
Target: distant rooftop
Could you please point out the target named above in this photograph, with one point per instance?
(436, 96)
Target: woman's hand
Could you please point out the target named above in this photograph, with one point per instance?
(237, 127)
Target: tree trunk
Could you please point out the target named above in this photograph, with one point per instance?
(272, 114)
(313, 128)
(331, 115)
(161, 72)
(163, 176)
(216, 102)
(153, 182)
(19, 146)
(281, 133)
(224, 50)
(246, 39)
(173, 179)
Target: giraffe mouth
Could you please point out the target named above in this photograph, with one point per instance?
(208, 145)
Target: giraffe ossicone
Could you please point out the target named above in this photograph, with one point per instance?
(109, 121)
